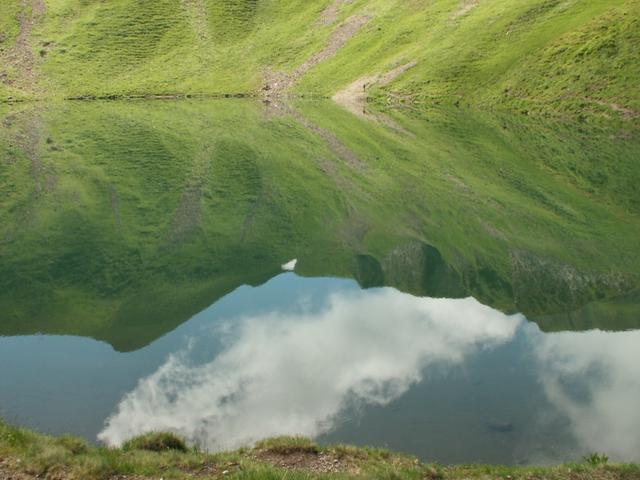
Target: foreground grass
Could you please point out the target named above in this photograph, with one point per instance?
(25, 454)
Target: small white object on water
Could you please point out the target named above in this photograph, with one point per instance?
(290, 266)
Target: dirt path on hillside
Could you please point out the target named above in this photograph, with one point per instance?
(20, 55)
(277, 83)
(465, 7)
(330, 14)
(196, 9)
(354, 97)
(625, 112)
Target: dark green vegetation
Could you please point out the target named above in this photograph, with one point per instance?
(156, 442)
(576, 58)
(120, 221)
(28, 455)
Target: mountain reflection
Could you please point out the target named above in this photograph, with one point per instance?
(293, 373)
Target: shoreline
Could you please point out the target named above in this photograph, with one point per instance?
(26, 455)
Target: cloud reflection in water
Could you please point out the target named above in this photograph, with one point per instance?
(293, 373)
(593, 379)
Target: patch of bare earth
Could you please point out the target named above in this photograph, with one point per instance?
(196, 9)
(305, 460)
(277, 83)
(7, 473)
(465, 7)
(20, 54)
(330, 14)
(354, 97)
(625, 112)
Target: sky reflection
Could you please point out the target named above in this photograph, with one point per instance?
(292, 373)
(447, 380)
(593, 378)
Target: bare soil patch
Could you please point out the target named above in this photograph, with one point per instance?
(354, 96)
(465, 7)
(197, 12)
(304, 460)
(627, 113)
(330, 14)
(20, 55)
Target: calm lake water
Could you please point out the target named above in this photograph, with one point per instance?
(456, 286)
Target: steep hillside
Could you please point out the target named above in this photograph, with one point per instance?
(577, 57)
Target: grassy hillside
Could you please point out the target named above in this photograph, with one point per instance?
(120, 220)
(576, 58)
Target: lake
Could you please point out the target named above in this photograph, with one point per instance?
(447, 283)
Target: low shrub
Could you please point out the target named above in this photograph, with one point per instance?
(156, 442)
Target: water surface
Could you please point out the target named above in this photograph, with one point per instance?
(465, 286)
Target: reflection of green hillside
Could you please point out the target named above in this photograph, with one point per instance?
(122, 220)
(620, 313)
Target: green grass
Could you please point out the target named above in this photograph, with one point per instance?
(9, 23)
(545, 57)
(156, 442)
(24, 451)
(288, 445)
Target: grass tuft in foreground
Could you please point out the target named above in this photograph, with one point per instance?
(27, 455)
(156, 442)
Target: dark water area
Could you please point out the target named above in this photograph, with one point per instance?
(456, 286)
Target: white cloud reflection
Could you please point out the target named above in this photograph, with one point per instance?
(286, 373)
(593, 378)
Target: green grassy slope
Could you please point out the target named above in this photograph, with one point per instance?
(9, 23)
(573, 57)
(120, 220)
(9, 28)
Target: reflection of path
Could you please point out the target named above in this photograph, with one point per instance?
(188, 214)
(356, 224)
(337, 147)
(27, 131)
(288, 373)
